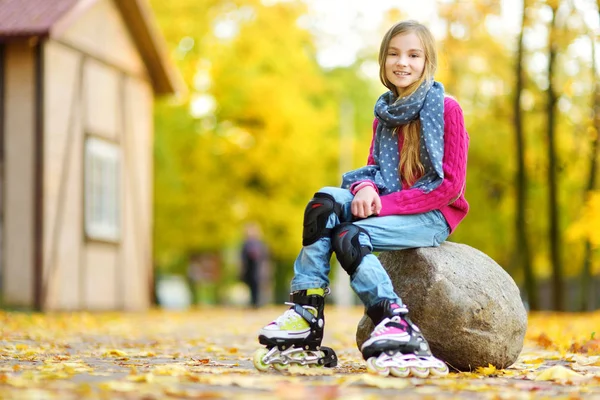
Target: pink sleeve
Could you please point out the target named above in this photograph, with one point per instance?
(356, 186)
(456, 144)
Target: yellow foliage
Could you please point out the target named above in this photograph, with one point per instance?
(272, 139)
(267, 147)
(586, 227)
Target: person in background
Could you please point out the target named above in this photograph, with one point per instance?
(255, 262)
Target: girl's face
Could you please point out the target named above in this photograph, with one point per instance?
(405, 61)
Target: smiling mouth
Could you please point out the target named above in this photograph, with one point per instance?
(400, 73)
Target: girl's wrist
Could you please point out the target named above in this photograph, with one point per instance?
(363, 185)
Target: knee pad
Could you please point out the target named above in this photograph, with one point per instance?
(317, 212)
(348, 250)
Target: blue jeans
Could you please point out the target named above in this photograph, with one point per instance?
(370, 281)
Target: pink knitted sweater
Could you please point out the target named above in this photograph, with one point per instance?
(449, 197)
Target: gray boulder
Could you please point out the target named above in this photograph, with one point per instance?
(468, 308)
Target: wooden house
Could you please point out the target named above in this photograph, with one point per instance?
(77, 85)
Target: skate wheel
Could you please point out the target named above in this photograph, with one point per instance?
(373, 368)
(400, 372)
(419, 372)
(257, 360)
(439, 371)
(331, 359)
(281, 367)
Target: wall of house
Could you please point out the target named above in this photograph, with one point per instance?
(96, 85)
(101, 33)
(137, 199)
(64, 261)
(19, 134)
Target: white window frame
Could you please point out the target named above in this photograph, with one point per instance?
(102, 188)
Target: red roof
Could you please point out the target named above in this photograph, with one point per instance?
(22, 18)
(26, 18)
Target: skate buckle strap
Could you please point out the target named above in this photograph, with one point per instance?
(307, 315)
(312, 300)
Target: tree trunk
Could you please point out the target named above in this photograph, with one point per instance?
(523, 254)
(587, 281)
(554, 241)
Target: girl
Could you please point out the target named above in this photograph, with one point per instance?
(410, 194)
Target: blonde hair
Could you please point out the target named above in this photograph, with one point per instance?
(410, 163)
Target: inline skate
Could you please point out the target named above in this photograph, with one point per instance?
(397, 346)
(295, 337)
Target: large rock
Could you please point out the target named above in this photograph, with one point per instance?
(466, 305)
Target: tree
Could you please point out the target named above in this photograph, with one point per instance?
(521, 181)
(269, 141)
(587, 301)
(475, 66)
(554, 237)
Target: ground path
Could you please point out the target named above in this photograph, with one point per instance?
(206, 354)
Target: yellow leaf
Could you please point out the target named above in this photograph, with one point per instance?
(384, 383)
(587, 361)
(114, 353)
(118, 386)
(170, 370)
(85, 389)
(149, 378)
(300, 370)
(215, 349)
(534, 361)
(487, 371)
(556, 373)
(18, 382)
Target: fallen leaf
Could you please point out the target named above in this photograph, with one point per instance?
(544, 341)
(533, 361)
(117, 386)
(315, 371)
(589, 347)
(587, 361)
(384, 382)
(487, 371)
(114, 353)
(149, 378)
(556, 373)
(146, 354)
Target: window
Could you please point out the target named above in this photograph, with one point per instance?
(101, 200)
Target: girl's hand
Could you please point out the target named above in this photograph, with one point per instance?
(366, 202)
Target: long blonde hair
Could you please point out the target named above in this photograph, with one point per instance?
(410, 162)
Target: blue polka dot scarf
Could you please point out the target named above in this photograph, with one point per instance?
(427, 104)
